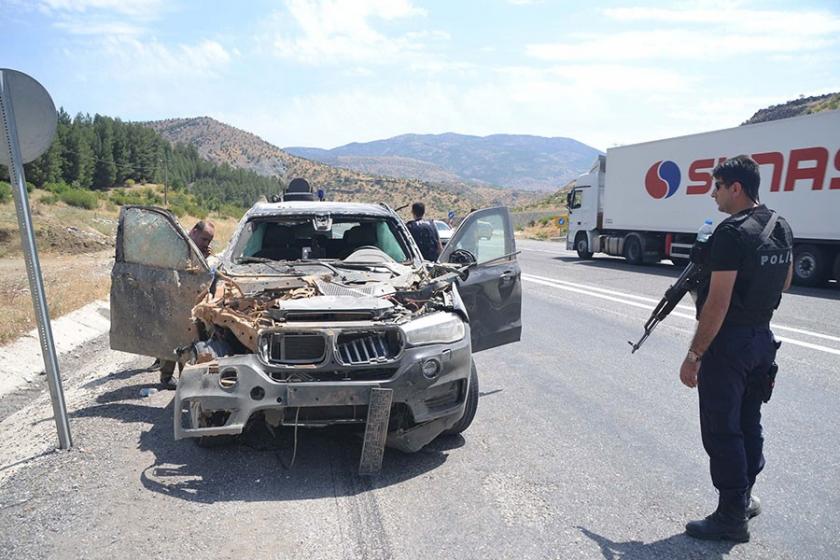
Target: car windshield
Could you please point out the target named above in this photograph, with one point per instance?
(442, 226)
(299, 238)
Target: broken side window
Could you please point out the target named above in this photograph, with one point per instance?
(150, 239)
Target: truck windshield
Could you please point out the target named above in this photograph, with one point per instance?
(292, 238)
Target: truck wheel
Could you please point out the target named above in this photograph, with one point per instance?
(633, 250)
(809, 265)
(471, 407)
(582, 246)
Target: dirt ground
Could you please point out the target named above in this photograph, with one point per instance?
(71, 281)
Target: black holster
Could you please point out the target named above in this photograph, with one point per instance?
(770, 382)
(764, 384)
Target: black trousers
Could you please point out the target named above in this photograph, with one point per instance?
(730, 408)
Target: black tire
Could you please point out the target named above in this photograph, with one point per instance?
(582, 246)
(809, 265)
(633, 250)
(470, 408)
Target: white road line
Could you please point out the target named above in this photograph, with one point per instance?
(589, 291)
(542, 251)
(688, 308)
(606, 291)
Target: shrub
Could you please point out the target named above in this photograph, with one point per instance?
(56, 188)
(49, 199)
(230, 211)
(80, 199)
(5, 191)
(129, 182)
(151, 197)
(179, 211)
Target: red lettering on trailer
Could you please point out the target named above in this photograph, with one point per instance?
(777, 160)
(835, 183)
(816, 174)
(700, 171)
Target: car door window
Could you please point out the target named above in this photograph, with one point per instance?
(485, 234)
(150, 239)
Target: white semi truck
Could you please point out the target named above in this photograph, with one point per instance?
(646, 201)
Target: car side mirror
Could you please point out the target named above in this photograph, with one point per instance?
(462, 256)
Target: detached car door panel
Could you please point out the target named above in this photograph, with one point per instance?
(157, 278)
(492, 293)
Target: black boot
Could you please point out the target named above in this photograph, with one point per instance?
(754, 505)
(727, 523)
(167, 372)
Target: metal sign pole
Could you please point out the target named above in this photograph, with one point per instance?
(33, 265)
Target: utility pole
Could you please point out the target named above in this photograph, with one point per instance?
(165, 180)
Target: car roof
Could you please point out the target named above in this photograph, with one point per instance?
(315, 207)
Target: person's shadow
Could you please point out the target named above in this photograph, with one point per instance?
(676, 546)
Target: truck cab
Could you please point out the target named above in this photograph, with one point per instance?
(584, 203)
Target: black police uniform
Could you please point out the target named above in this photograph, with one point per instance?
(742, 352)
(426, 236)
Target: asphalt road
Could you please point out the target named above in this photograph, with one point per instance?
(579, 450)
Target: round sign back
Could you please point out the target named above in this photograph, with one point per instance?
(34, 114)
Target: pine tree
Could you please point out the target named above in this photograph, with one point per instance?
(78, 153)
(105, 170)
(122, 155)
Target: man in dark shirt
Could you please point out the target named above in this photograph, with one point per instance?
(733, 348)
(425, 233)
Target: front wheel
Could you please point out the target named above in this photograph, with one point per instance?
(582, 246)
(470, 408)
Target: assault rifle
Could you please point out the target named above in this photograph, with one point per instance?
(692, 279)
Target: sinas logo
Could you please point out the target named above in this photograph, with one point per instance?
(662, 179)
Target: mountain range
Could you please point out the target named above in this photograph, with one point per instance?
(507, 160)
(225, 144)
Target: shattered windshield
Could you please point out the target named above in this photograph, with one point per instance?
(303, 238)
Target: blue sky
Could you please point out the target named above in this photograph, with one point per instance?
(328, 72)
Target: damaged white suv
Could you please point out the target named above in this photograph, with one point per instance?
(319, 313)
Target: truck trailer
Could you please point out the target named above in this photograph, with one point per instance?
(645, 201)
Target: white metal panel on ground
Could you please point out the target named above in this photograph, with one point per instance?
(666, 185)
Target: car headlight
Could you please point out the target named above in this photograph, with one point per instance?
(435, 328)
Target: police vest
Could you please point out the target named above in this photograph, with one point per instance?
(762, 273)
(767, 266)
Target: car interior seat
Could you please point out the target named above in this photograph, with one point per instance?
(359, 236)
(278, 243)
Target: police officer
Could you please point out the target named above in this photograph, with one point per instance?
(751, 263)
(424, 232)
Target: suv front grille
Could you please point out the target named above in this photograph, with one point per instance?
(296, 348)
(372, 347)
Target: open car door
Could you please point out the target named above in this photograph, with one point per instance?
(492, 293)
(158, 276)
